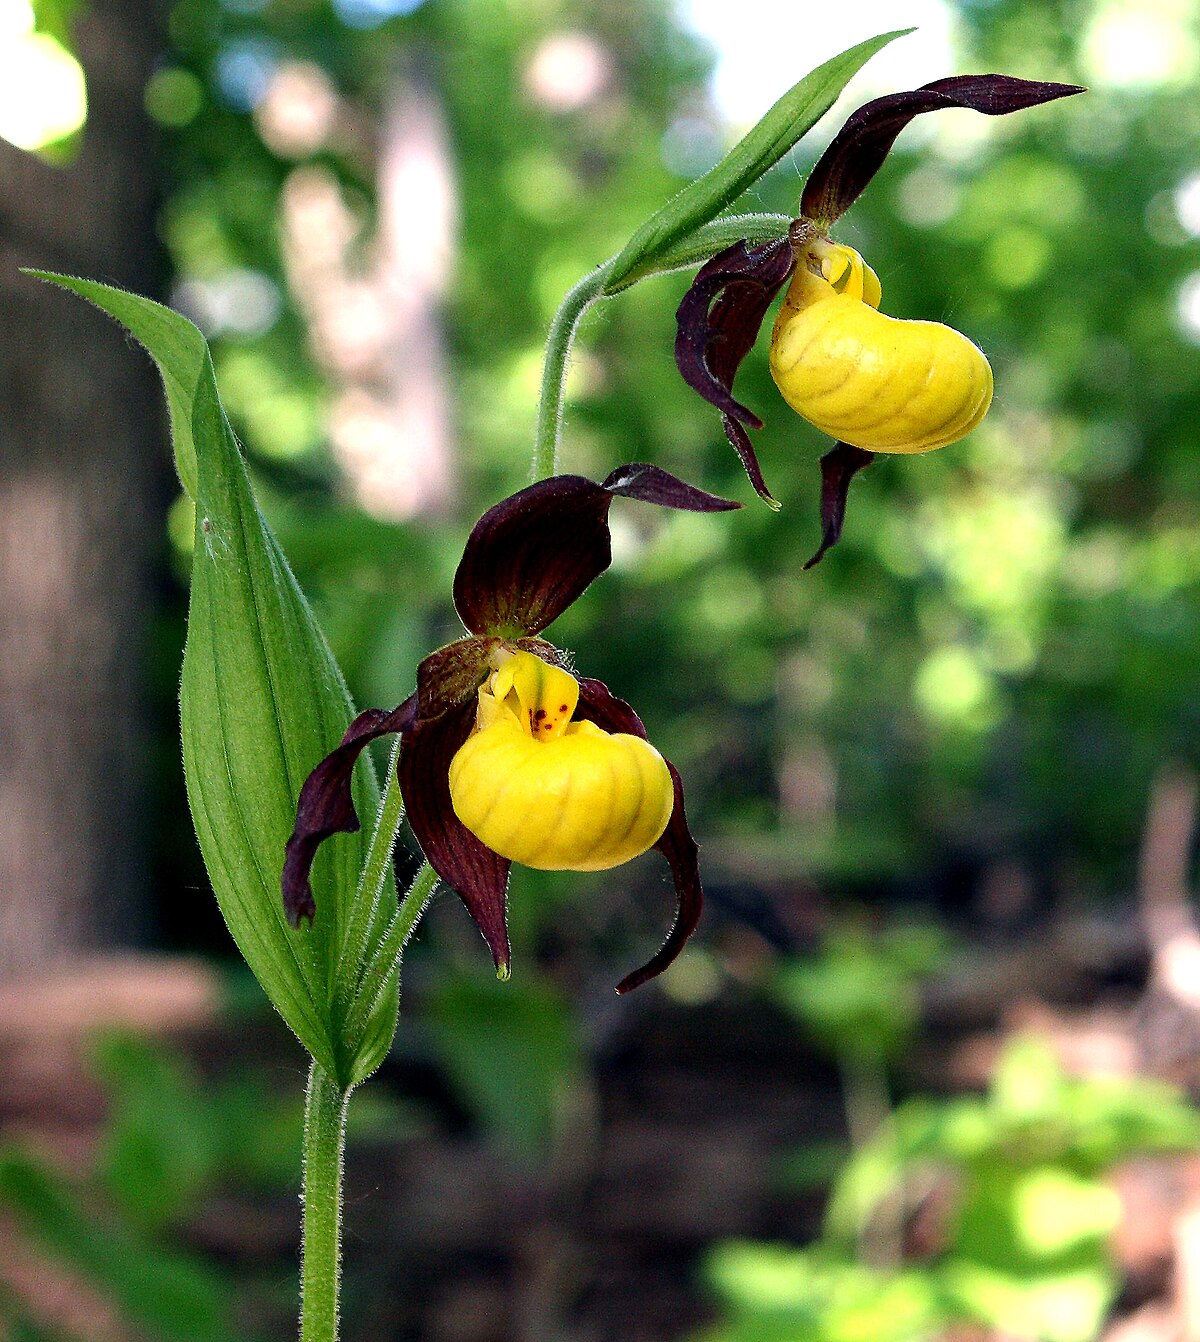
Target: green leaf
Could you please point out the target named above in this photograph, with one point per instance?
(261, 703)
(756, 153)
(774, 1292)
(1067, 1306)
(853, 998)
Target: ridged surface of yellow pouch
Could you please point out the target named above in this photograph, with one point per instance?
(870, 380)
(550, 793)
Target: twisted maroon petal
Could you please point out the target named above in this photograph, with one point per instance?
(862, 144)
(326, 804)
(718, 323)
(534, 553)
(651, 484)
(740, 441)
(838, 467)
(477, 875)
(597, 704)
(679, 848)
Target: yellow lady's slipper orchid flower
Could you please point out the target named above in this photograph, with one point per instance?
(874, 383)
(505, 756)
(549, 792)
(870, 380)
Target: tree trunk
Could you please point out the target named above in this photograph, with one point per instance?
(81, 485)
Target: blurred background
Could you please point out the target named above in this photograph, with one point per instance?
(925, 1070)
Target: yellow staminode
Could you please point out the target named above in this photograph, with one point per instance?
(538, 788)
(865, 378)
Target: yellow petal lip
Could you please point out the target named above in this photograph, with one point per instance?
(870, 380)
(585, 801)
(549, 792)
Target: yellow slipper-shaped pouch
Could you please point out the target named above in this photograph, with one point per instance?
(867, 379)
(548, 792)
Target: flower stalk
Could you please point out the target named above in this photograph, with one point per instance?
(555, 367)
(321, 1200)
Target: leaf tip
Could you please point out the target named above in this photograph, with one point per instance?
(47, 276)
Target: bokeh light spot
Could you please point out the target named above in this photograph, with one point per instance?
(1187, 307)
(1141, 43)
(371, 13)
(43, 93)
(244, 73)
(1187, 204)
(758, 59)
(173, 97)
(568, 71)
(954, 690)
(236, 302)
(928, 197)
(1018, 257)
(296, 115)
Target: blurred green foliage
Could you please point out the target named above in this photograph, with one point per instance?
(178, 1150)
(511, 1052)
(858, 997)
(1012, 1189)
(170, 1142)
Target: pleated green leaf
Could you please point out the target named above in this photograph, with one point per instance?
(755, 154)
(261, 702)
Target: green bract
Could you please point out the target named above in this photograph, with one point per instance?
(778, 131)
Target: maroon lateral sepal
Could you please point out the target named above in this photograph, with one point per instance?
(599, 705)
(838, 467)
(477, 875)
(534, 553)
(717, 325)
(326, 805)
(860, 147)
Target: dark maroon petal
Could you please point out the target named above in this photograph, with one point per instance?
(718, 322)
(651, 484)
(679, 848)
(742, 445)
(597, 704)
(533, 554)
(326, 804)
(477, 875)
(838, 468)
(862, 144)
(720, 316)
